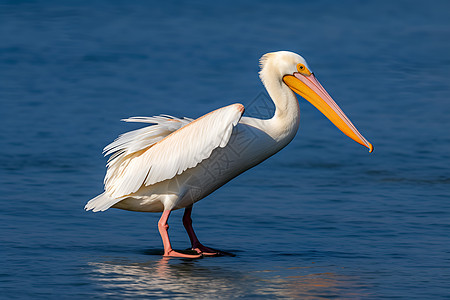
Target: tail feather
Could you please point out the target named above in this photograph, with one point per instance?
(101, 203)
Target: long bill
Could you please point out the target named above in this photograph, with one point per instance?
(310, 88)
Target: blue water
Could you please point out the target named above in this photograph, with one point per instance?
(321, 219)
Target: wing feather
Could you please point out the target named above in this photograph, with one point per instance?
(133, 141)
(156, 153)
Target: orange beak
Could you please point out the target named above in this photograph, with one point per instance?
(310, 88)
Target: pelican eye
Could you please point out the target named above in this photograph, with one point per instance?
(302, 69)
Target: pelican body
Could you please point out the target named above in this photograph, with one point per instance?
(176, 162)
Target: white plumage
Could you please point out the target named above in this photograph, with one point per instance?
(155, 153)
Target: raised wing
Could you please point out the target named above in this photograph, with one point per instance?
(156, 153)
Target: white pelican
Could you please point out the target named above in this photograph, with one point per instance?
(177, 162)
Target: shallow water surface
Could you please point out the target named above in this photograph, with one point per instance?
(321, 219)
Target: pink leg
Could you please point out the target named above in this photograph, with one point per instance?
(196, 245)
(163, 228)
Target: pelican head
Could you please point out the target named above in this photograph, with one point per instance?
(290, 69)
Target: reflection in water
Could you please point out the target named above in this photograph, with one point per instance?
(319, 285)
(178, 278)
(168, 277)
